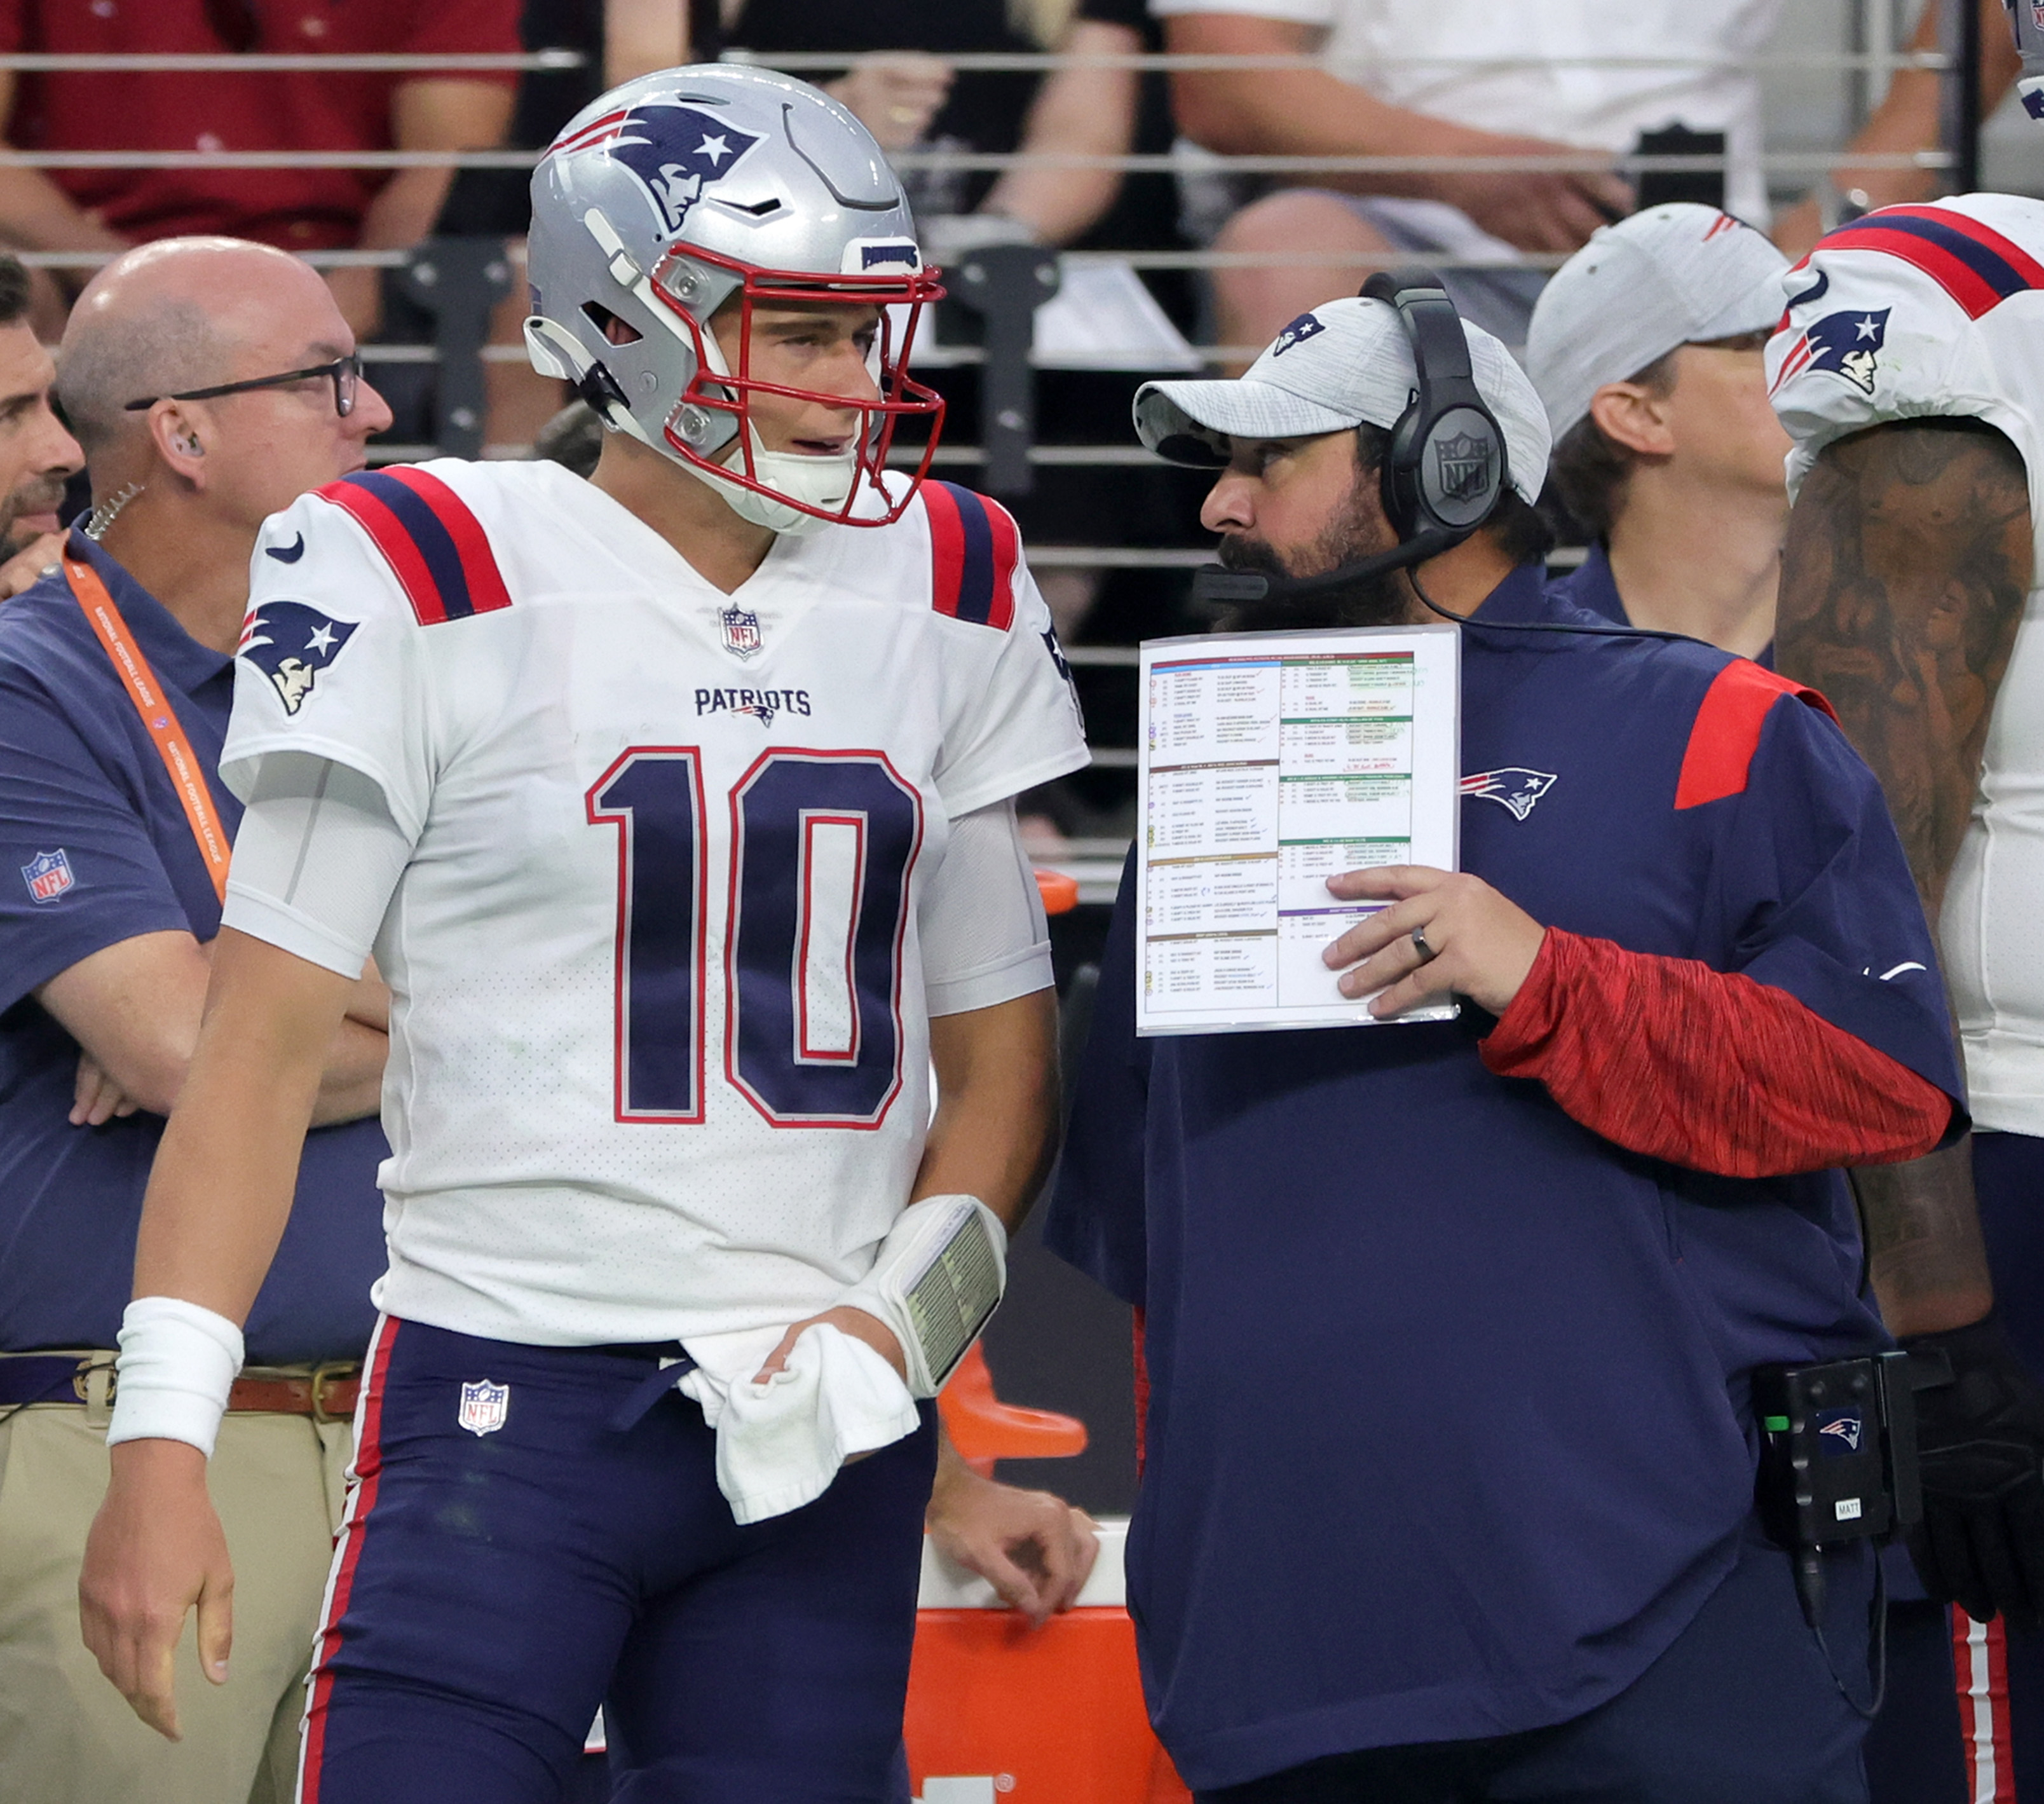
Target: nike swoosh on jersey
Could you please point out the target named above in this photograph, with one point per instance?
(288, 554)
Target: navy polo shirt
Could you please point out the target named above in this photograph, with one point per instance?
(1590, 586)
(1449, 1433)
(94, 849)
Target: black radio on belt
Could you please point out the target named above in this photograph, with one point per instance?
(1838, 1451)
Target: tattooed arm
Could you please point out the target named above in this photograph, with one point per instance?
(1903, 580)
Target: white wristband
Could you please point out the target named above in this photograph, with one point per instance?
(935, 1282)
(178, 1364)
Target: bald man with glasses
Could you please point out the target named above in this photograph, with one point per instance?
(211, 382)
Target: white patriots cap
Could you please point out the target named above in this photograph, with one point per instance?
(1346, 362)
(1676, 275)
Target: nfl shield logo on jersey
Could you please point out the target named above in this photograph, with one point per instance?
(484, 1406)
(48, 876)
(741, 631)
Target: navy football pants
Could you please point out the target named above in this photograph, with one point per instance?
(490, 1590)
(1740, 1710)
(1925, 1749)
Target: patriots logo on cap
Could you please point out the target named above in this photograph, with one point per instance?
(1513, 788)
(675, 151)
(1305, 326)
(1845, 344)
(291, 644)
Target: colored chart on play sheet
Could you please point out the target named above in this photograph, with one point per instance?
(1270, 762)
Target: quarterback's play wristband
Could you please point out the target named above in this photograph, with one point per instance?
(936, 1282)
(178, 1364)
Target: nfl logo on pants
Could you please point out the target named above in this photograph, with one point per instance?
(484, 1406)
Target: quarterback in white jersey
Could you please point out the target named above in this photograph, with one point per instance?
(1909, 370)
(694, 845)
(677, 808)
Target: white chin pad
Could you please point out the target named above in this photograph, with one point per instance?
(821, 481)
(936, 1282)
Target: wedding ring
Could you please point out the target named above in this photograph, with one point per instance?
(1426, 951)
(901, 115)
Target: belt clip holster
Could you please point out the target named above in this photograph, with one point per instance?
(1837, 1451)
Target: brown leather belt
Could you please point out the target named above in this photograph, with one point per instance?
(326, 1393)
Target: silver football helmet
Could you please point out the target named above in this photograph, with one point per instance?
(678, 192)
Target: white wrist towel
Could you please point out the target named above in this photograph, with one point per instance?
(177, 1364)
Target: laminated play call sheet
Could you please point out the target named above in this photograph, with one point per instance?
(1268, 762)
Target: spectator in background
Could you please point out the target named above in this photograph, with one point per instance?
(910, 97)
(1910, 117)
(1470, 78)
(297, 210)
(1646, 348)
(106, 920)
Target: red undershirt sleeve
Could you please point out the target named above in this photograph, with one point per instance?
(1706, 1069)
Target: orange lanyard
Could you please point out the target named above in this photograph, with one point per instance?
(159, 717)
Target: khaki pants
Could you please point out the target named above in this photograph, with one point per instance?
(66, 1736)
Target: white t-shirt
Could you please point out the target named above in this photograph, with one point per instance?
(1510, 67)
(1917, 312)
(658, 1058)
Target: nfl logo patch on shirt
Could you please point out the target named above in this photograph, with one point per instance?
(741, 631)
(484, 1406)
(48, 876)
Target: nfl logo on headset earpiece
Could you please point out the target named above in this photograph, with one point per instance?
(1446, 466)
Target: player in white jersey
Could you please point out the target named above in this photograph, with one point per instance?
(677, 808)
(1909, 370)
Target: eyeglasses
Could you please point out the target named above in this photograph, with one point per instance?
(345, 372)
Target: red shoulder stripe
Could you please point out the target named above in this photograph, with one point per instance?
(946, 547)
(1726, 732)
(974, 549)
(1007, 555)
(435, 546)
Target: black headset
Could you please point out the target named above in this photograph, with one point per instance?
(1445, 472)
(1447, 464)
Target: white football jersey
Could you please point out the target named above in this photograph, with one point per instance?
(1913, 313)
(659, 1044)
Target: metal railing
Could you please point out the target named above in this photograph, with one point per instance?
(455, 279)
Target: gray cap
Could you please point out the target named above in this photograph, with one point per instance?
(1346, 362)
(1676, 275)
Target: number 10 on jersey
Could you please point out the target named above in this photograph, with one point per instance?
(821, 847)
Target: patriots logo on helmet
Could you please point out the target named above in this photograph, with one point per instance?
(1302, 328)
(291, 644)
(1515, 789)
(1846, 344)
(675, 152)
